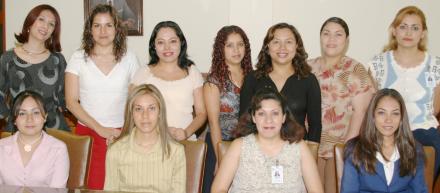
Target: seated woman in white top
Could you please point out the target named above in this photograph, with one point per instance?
(145, 158)
(177, 78)
(31, 157)
(271, 155)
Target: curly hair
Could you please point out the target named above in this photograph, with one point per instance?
(183, 62)
(290, 131)
(299, 62)
(364, 147)
(53, 43)
(119, 43)
(219, 70)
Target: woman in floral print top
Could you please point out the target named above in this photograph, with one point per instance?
(346, 90)
(231, 61)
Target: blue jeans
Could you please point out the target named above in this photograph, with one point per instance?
(430, 137)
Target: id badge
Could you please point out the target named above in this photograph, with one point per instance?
(277, 174)
(429, 79)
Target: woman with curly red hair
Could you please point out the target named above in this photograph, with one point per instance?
(231, 61)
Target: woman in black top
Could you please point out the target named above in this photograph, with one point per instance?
(282, 66)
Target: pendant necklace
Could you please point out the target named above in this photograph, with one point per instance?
(28, 146)
(33, 53)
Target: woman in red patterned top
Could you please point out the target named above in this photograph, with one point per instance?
(346, 90)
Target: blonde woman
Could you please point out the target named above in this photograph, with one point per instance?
(405, 65)
(145, 152)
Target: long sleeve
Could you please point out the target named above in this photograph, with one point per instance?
(418, 183)
(314, 110)
(111, 171)
(60, 90)
(350, 177)
(61, 171)
(4, 110)
(247, 92)
(179, 171)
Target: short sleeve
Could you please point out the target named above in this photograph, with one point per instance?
(133, 63)
(74, 65)
(360, 81)
(196, 76)
(436, 69)
(376, 66)
(141, 75)
(212, 80)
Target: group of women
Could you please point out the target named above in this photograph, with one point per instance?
(137, 114)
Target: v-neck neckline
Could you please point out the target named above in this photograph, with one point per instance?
(100, 71)
(284, 85)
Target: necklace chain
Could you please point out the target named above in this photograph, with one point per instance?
(28, 146)
(33, 53)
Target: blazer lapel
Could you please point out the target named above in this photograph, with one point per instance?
(381, 172)
(395, 172)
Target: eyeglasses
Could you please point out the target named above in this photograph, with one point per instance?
(405, 27)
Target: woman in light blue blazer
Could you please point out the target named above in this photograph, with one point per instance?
(385, 156)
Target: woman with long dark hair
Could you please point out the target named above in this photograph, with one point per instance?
(384, 157)
(282, 66)
(177, 78)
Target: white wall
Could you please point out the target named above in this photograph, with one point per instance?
(201, 19)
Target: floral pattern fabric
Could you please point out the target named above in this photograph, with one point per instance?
(229, 107)
(339, 84)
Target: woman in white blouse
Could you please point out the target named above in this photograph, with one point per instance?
(97, 78)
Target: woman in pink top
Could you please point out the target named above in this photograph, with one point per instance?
(31, 157)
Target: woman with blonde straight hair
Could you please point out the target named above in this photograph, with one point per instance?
(144, 152)
(405, 65)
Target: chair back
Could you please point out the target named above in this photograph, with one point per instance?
(195, 152)
(339, 161)
(429, 167)
(4, 134)
(79, 149)
(314, 149)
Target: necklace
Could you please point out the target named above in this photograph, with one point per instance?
(33, 53)
(28, 147)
